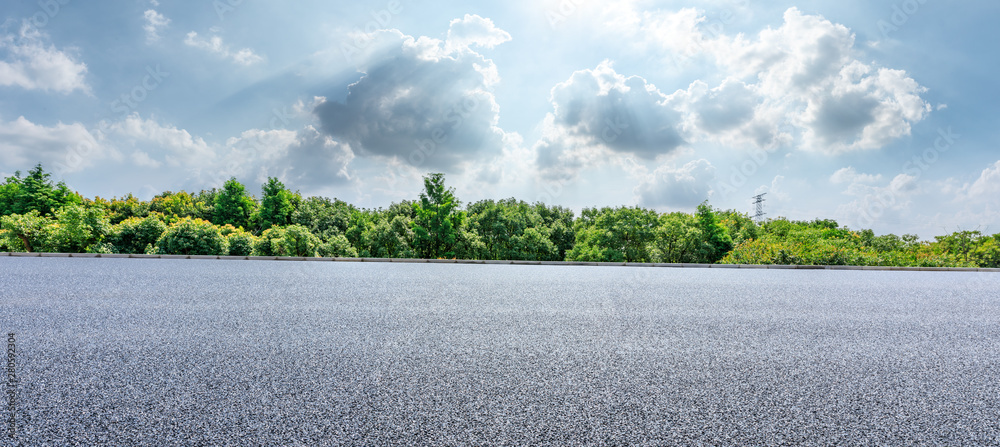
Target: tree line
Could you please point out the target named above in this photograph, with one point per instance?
(39, 215)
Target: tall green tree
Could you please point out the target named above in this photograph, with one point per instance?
(20, 195)
(277, 204)
(10, 190)
(233, 206)
(716, 241)
(438, 221)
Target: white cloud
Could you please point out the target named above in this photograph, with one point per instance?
(475, 30)
(802, 80)
(215, 46)
(987, 186)
(305, 158)
(597, 110)
(64, 148)
(33, 65)
(420, 102)
(684, 187)
(155, 22)
(851, 175)
(159, 143)
(141, 158)
(874, 204)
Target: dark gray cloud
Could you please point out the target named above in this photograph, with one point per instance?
(315, 160)
(623, 114)
(420, 102)
(844, 117)
(725, 107)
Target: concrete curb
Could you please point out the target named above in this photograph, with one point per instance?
(506, 262)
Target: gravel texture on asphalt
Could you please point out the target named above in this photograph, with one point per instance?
(191, 352)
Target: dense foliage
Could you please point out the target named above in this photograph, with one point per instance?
(37, 215)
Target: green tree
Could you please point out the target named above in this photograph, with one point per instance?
(677, 239)
(174, 206)
(240, 242)
(35, 192)
(192, 237)
(559, 220)
(137, 235)
(233, 206)
(390, 239)
(739, 225)
(338, 247)
(126, 207)
(715, 237)
(438, 222)
(204, 204)
(79, 229)
(293, 240)
(277, 204)
(25, 232)
(468, 245)
(10, 191)
(614, 235)
(324, 217)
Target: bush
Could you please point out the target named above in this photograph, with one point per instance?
(241, 243)
(134, 234)
(293, 240)
(338, 247)
(25, 232)
(192, 237)
(77, 229)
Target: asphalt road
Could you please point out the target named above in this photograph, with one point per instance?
(187, 352)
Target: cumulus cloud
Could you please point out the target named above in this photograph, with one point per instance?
(987, 186)
(65, 148)
(684, 187)
(32, 64)
(157, 143)
(725, 107)
(475, 30)
(419, 101)
(600, 109)
(624, 114)
(802, 83)
(215, 46)
(305, 158)
(155, 22)
(809, 70)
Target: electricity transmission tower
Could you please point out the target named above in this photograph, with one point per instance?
(759, 203)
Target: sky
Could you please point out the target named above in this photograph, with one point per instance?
(878, 114)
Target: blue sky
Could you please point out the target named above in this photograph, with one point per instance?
(878, 114)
